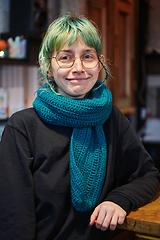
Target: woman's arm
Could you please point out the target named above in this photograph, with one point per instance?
(17, 207)
(135, 177)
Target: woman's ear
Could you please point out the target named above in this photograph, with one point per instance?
(102, 58)
(40, 62)
(50, 74)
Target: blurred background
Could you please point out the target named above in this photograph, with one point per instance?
(130, 32)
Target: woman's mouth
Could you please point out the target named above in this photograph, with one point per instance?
(77, 79)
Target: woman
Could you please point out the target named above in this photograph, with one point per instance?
(71, 166)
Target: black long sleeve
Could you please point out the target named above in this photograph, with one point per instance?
(17, 204)
(35, 199)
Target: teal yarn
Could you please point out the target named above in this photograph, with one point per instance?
(88, 148)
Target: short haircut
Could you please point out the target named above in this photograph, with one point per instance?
(66, 29)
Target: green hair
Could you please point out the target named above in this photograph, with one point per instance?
(67, 29)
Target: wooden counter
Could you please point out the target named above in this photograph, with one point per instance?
(145, 220)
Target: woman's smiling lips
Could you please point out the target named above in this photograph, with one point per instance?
(77, 79)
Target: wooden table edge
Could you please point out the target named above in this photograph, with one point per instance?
(145, 220)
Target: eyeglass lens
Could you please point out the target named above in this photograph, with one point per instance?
(67, 59)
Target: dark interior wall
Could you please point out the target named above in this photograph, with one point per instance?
(142, 23)
(147, 56)
(21, 17)
(148, 63)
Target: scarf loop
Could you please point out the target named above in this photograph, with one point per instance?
(88, 148)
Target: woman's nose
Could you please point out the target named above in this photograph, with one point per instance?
(78, 66)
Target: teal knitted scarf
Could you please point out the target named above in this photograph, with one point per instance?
(88, 149)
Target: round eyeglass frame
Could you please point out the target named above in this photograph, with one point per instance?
(74, 59)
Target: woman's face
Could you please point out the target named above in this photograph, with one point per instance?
(76, 81)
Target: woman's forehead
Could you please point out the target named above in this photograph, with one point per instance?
(76, 45)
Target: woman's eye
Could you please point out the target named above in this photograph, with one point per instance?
(65, 57)
(88, 56)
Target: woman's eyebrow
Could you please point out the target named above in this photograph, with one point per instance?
(72, 51)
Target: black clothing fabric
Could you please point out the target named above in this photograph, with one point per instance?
(35, 200)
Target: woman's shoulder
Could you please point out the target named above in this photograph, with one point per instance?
(118, 120)
(117, 114)
(25, 116)
(116, 110)
(25, 113)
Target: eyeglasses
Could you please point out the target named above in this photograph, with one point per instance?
(67, 59)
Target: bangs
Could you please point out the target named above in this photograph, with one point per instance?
(69, 31)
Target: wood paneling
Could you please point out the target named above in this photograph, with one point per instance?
(116, 21)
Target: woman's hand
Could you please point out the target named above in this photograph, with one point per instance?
(107, 214)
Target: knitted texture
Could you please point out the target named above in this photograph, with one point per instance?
(88, 149)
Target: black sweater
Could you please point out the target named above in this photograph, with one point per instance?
(35, 200)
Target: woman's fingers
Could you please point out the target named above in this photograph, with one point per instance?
(107, 215)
